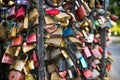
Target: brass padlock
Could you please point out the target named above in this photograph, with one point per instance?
(31, 64)
(55, 76)
(10, 50)
(52, 68)
(13, 32)
(62, 16)
(33, 14)
(29, 76)
(17, 51)
(65, 54)
(49, 20)
(20, 63)
(53, 41)
(25, 22)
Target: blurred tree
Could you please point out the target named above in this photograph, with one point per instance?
(115, 8)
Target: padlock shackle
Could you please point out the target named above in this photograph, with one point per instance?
(25, 60)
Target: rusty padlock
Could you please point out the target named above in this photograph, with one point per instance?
(20, 63)
(80, 12)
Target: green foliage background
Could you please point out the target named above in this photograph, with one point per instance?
(114, 8)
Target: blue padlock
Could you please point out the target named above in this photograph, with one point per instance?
(83, 62)
(67, 32)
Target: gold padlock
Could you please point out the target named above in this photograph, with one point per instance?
(29, 76)
(55, 76)
(52, 68)
(49, 20)
(65, 54)
(62, 16)
(31, 64)
(33, 14)
(25, 23)
(20, 63)
(17, 51)
(53, 41)
(10, 50)
(14, 31)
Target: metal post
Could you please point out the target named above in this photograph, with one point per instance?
(103, 45)
(40, 44)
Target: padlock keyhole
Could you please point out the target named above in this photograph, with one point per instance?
(12, 76)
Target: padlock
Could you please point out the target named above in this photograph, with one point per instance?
(92, 3)
(52, 68)
(30, 64)
(65, 54)
(32, 37)
(108, 66)
(61, 65)
(62, 68)
(55, 54)
(69, 62)
(7, 59)
(20, 63)
(96, 53)
(17, 41)
(53, 41)
(19, 27)
(16, 75)
(62, 16)
(90, 38)
(29, 76)
(35, 23)
(13, 32)
(95, 73)
(67, 6)
(87, 8)
(55, 76)
(20, 14)
(49, 20)
(78, 54)
(94, 65)
(57, 33)
(33, 14)
(52, 11)
(50, 28)
(83, 62)
(80, 12)
(70, 74)
(26, 48)
(74, 40)
(17, 51)
(87, 73)
(87, 52)
(11, 13)
(96, 61)
(114, 17)
(67, 32)
(35, 59)
(10, 50)
(64, 23)
(25, 22)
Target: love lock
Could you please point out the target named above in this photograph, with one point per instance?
(20, 63)
(90, 38)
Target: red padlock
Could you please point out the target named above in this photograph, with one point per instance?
(16, 75)
(17, 41)
(80, 12)
(35, 59)
(7, 59)
(31, 38)
(20, 14)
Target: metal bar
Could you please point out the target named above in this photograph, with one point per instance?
(40, 44)
(103, 45)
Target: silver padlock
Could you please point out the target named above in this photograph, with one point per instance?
(90, 38)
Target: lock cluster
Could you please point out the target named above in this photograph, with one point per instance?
(72, 39)
(19, 23)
